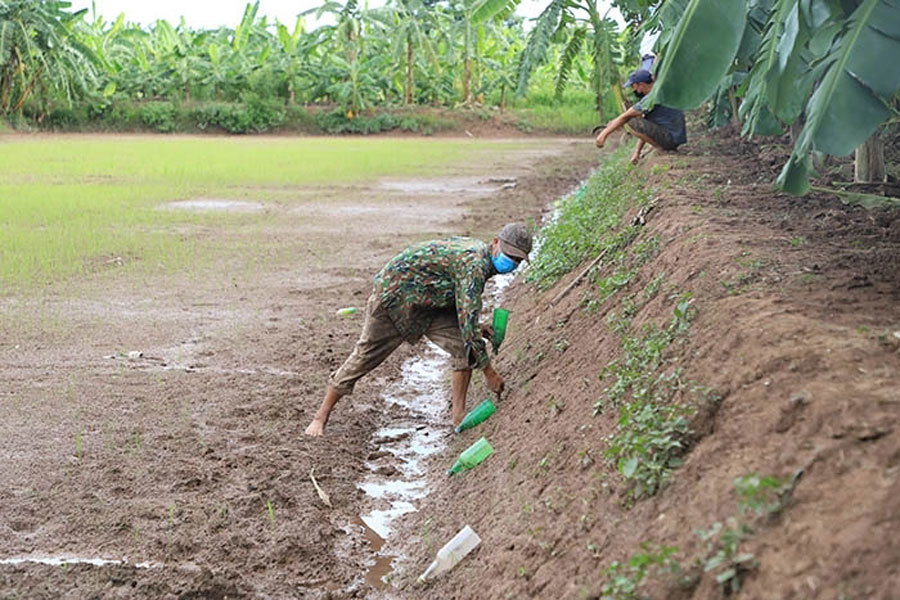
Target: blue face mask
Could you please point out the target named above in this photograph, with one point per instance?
(503, 263)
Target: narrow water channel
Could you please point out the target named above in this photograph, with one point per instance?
(397, 476)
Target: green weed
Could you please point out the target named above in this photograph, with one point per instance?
(625, 579)
(270, 509)
(722, 557)
(648, 440)
(588, 221)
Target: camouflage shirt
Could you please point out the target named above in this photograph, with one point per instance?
(439, 274)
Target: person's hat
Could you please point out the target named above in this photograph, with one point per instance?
(515, 241)
(639, 76)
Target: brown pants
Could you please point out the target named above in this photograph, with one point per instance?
(380, 337)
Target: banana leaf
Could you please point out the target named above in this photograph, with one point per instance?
(707, 36)
(852, 99)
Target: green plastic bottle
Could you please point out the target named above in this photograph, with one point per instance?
(477, 415)
(472, 456)
(501, 316)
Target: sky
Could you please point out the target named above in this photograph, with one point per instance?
(209, 14)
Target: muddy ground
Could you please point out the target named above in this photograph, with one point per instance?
(187, 462)
(156, 422)
(792, 365)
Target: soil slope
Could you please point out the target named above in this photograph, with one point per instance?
(792, 366)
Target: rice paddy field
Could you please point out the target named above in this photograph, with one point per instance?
(68, 204)
(167, 326)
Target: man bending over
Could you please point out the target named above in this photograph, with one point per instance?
(433, 289)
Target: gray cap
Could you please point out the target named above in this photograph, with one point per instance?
(515, 241)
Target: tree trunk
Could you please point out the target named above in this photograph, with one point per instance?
(869, 167)
(732, 99)
(467, 74)
(410, 56)
(502, 98)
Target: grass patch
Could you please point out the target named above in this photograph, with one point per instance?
(75, 206)
(565, 118)
(589, 220)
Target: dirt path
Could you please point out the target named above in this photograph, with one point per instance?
(156, 422)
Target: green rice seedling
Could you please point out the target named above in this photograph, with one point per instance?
(270, 509)
(77, 207)
(79, 447)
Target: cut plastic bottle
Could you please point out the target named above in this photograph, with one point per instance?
(453, 551)
(477, 415)
(501, 316)
(472, 456)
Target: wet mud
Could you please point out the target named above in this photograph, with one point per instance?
(152, 426)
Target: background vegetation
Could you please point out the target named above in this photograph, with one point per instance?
(815, 69)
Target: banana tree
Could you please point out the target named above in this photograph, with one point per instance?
(575, 22)
(821, 59)
(470, 19)
(413, 24)
(40, 51)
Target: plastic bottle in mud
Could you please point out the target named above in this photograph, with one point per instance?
(472, 456)
(453, 551)
(346, 312)
(477, 415)
(501, 316)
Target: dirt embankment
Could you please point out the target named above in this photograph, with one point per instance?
(791, 365)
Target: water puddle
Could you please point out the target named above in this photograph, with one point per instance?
(397, 475)
(58, 561)
(214, 205)
(449, 185)
(382, 567)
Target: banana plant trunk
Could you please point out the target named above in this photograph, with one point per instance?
(869, 164)
(410, 56)
(467, 65)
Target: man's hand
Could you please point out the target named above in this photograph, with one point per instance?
(487, 331)
(316, 428)
(601, 139)
(635, 157)
(493, 380)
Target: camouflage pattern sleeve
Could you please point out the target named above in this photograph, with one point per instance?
(470, 280)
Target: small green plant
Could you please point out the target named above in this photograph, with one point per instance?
(762, 495)
(270, 509)
(79, 447)
(797, 241)
(555, 406)
(648, 445)
(722, 558)
(625, 579)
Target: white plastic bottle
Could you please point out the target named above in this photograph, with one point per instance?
(453, 551)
